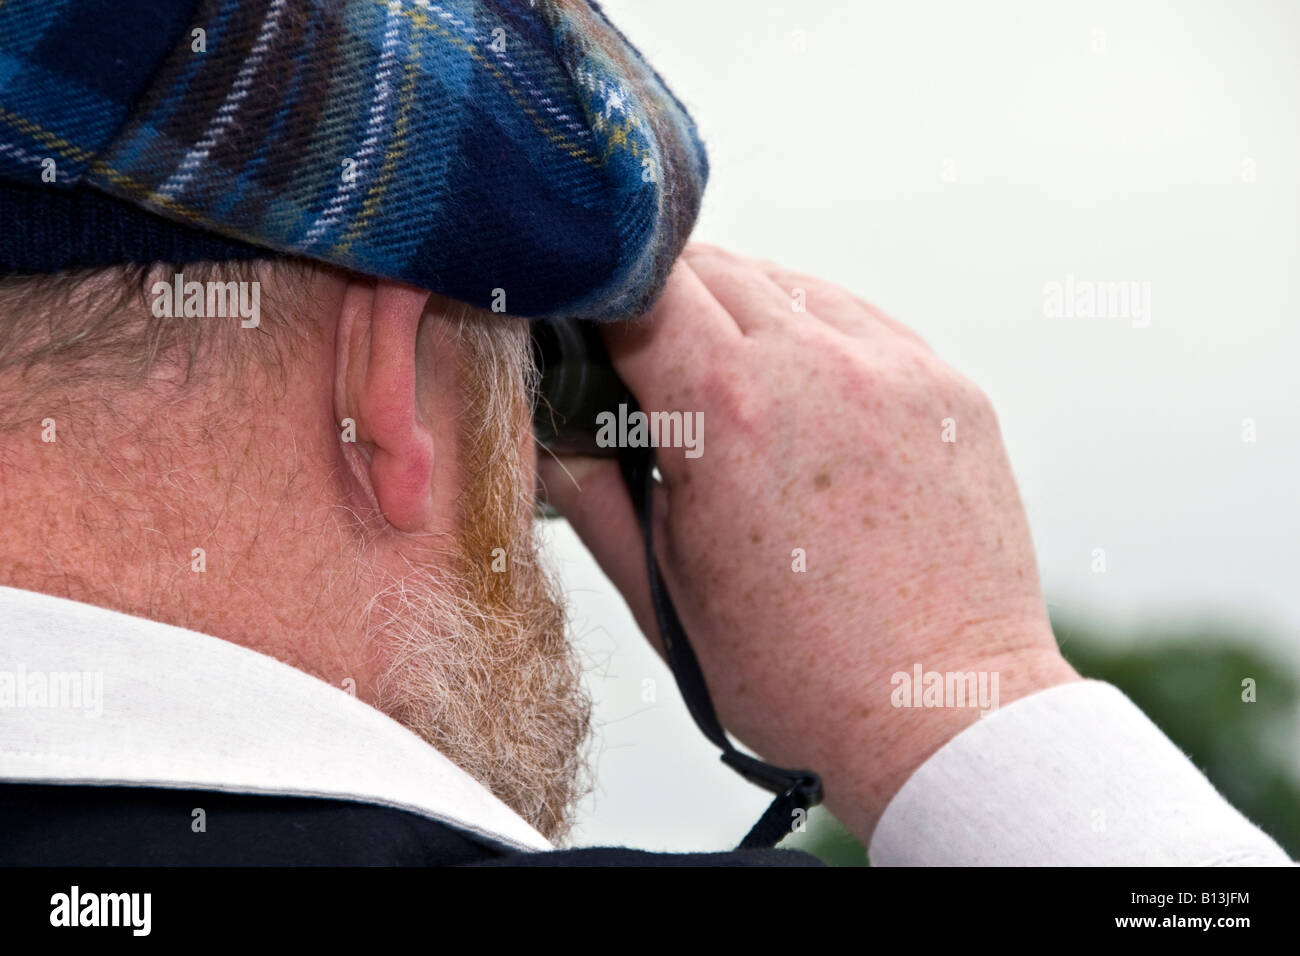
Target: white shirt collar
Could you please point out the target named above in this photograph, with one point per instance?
(185, 710)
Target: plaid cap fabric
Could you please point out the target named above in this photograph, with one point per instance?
(517, 153)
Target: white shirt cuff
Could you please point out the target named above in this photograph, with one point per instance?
(1075, 775)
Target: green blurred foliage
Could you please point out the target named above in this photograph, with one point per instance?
(1189, 681)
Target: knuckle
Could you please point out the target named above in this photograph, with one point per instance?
(966, 394)
(935, 380)
(734, 399)
(972, 393)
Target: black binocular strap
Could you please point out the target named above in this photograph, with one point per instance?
(795, 789)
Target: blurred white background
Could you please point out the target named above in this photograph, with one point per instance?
(947, 160)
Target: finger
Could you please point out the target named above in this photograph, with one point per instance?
(590, 493)
(818, 300)
(753, 301)
(673, 342)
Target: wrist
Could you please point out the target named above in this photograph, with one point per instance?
(926, 708)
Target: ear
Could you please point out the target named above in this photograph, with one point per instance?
(375, 385)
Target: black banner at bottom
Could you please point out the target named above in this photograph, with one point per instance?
(930, 906)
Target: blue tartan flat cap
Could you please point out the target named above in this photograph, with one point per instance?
(462, 146)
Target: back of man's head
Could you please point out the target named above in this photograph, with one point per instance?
(343, 480)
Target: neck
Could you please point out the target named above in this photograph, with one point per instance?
(212, 516)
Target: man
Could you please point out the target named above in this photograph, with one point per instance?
(268, 580)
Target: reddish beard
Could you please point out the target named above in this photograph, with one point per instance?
(480, 665)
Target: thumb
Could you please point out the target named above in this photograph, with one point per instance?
(590, 493)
